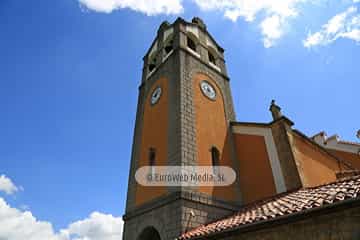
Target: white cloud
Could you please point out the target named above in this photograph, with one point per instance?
(97, 227)
(276, 14)
(149, 7)
(7, 186)
(271, 29)
(248, 9)
(273, 15)
(353, 35)
(19, 225)
(342, 25)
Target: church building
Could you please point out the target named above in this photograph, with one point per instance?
(288, 185)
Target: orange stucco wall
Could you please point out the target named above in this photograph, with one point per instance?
(211, 130)
(154, 135)
(352, 158)
(315, 166)
(255, 175)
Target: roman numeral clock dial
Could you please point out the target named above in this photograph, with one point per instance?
(155, 96)
(208, 90)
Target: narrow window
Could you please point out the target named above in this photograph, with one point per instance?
(152, 60)
(191, 44)
(169, 47)
(215, 156)
(152, 64)
(211, 58)
(151, 67)
(152, 157)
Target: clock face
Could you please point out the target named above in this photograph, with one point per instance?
(155, 96)
(208, 90)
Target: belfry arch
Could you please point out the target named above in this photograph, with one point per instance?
(149, 233)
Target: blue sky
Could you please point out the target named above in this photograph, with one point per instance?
(69, 77)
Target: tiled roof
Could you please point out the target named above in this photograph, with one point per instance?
(282, 205)
(351, 143)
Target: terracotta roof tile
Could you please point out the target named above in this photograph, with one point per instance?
(351, 143)
(282, 204)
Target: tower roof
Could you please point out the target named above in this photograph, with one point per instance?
(196, 22)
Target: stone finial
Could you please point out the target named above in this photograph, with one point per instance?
(163, 25)
(275, 110)
(198, 21)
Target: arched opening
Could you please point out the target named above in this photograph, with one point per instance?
(168, 46)
(191, 42)
(211, 58)
(152, 157)
(152, 160)
(152, 62)
(212, 55)
(215, 157)
(149, 233)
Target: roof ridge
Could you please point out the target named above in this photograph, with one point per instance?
(337, 181)
(349, 142)
(279, 195)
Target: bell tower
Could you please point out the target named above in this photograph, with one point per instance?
(183, 119)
